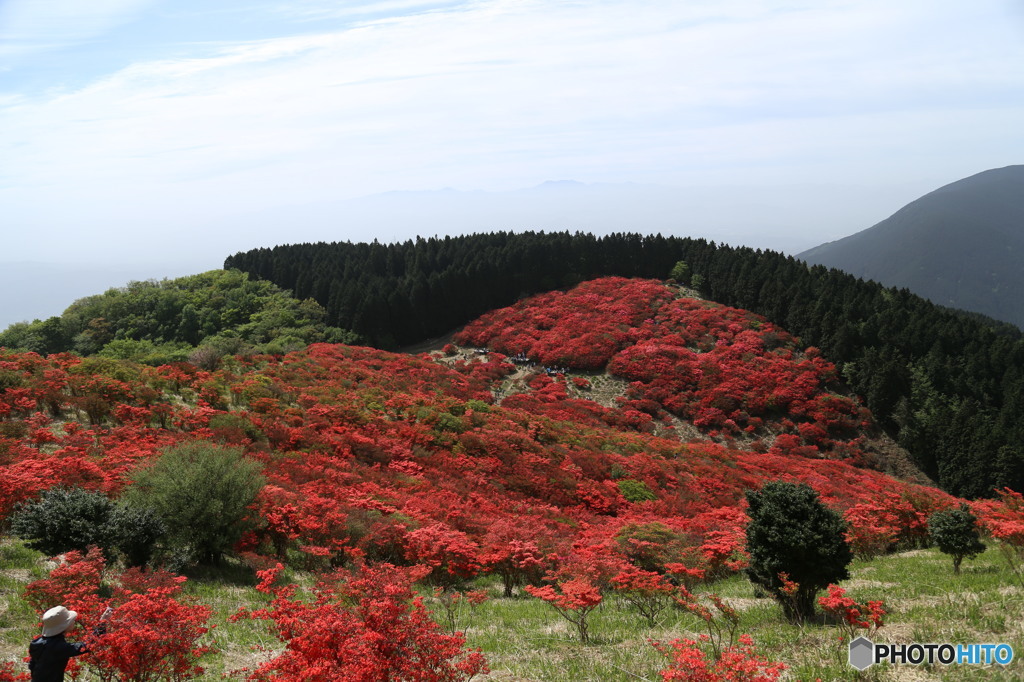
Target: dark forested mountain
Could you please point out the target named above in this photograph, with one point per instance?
(948, 387)
(397, 294)
(959, 246)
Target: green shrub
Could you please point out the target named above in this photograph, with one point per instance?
(202, 493)
(145, 351)
(651, 545)
(135, 532)
(635, 491)
(233, 428)
(792, 532)
(122, 370)
(955, 532)
(63, 519)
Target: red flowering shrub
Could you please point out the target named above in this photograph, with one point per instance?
(454, 604)
(721, 623)
(149, 635)
(594, 563)
(361, 627)
(516, 561)
(647, 592)
(152, 636)
(1003, 519)
(449, 553)
(8, 673)
(852, 615)
(739, 663)
(574, 599)
(870, 533)
(75, 580)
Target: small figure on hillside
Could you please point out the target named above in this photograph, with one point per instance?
(49, 653)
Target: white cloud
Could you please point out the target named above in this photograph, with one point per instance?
(28, 26)
(505, 93)
(318, 10)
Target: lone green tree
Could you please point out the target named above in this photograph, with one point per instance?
(792, 532)
(955, 532)
(680, 272)
(202, 492)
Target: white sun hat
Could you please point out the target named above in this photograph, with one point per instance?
(57, 620)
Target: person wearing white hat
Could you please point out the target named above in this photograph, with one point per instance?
(50, 652)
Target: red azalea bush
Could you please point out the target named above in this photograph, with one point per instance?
(150, 634)
(739, 663)
(574, 599)
(852, 616)
(1003, 520)
(649, 593)
(9, 674)
(365, 626)
(1003, 517)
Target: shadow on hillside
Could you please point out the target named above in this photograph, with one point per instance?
(230, 571)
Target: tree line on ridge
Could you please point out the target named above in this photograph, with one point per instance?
(948, 386)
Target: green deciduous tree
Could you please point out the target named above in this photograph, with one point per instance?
(681, 272)
(202, 492)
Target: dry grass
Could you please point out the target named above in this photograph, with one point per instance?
(526, 641)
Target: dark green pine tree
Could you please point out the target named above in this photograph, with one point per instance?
(792, 533)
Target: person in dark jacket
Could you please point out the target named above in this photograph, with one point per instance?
(49, 653)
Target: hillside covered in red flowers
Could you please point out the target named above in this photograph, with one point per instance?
(505, 454)
(412, 459)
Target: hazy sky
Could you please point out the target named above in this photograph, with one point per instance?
(181, 131)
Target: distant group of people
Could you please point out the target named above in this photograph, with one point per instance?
(523, 360)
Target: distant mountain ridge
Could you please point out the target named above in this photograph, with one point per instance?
(959, 246)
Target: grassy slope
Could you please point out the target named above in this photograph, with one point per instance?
(524, 639)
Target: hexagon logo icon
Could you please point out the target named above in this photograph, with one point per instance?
(862, 653)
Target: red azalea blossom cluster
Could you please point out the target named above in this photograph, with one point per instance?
(1003, 517)
(9, 674)
(851, 614)
(738, 663)
(649, 593)
(574, 599)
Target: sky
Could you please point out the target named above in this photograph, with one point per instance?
(164, 135)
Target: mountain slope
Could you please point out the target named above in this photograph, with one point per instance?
(959, 246)
(949, 388)
(428, 459)
(466, 464)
